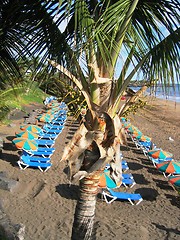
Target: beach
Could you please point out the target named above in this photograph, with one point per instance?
(45, 202)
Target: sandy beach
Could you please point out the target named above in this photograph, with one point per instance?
(44, 202)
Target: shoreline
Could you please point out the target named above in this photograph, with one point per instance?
(45, 203)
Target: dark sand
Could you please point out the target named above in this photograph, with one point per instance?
(45, 203)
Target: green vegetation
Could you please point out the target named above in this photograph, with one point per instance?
(16, 98)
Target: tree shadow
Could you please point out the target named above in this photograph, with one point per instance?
(131, 145)
(175, 200)
(145, 161)
(140, 179)
(134, 166)
(73, 129)
(11, 158)
(69, 137)
(10, 138)
(148, 194)
(138, 151)
(162, 184)
(130, 158)
(154, 171)
(167, 230)
(125, 148)
(68, 191)
(72, 125)
(9, 147)
(71, 132)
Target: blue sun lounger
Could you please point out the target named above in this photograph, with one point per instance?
(124, 166)
(45, 143)
(158, 160)
(53, 126)
(131, 197)
(39, 153)
(147, 145)
(48, 136)
(52, 131)
(128, 182)
(42, 163)
(46, 149)
(62, 112)
(127, 175)
(59, 120)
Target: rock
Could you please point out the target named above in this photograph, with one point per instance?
(12, 125)
(7, 184)
(10, 231)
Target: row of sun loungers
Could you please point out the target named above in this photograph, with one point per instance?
(41, 158)
(162, 160)
(146, 145)
(143, 143)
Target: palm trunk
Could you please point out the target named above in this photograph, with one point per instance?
(85, 208)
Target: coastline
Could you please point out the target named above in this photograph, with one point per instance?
(45, 203)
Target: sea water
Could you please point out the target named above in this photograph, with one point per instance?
(169, 93)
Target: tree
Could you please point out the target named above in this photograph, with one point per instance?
(97, 32)
(28, 30)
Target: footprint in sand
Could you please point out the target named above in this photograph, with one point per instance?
(33, 189)
(144, 233)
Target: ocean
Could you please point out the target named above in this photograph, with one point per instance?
(170, 93)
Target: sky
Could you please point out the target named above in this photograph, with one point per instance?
(123, 55)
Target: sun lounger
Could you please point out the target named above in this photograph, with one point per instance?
(62, 115)
(38, 153)
(45, 143)
(46, 149)
(42, 163)
(127, 175)
(35, 159)
(131, 197)
(48, 136)
(62, 112)
(53, 126)
(158, 160)
(144, 145)
(59, 120)
(128, 182)
(124, 166)
(52, 131)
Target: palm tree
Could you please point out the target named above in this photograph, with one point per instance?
(28, 30)
(98, 33)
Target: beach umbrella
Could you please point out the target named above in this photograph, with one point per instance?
(106, 181)
(131, 129)
(137, 134)
(159, 153)
(55, 104)
(25, 143)
(46, 117)
(175, 180)
(32, 128)
(52, 111)
(126, 124)
(170, 167)
(123, 119)
(27, 134)
(144, 138)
